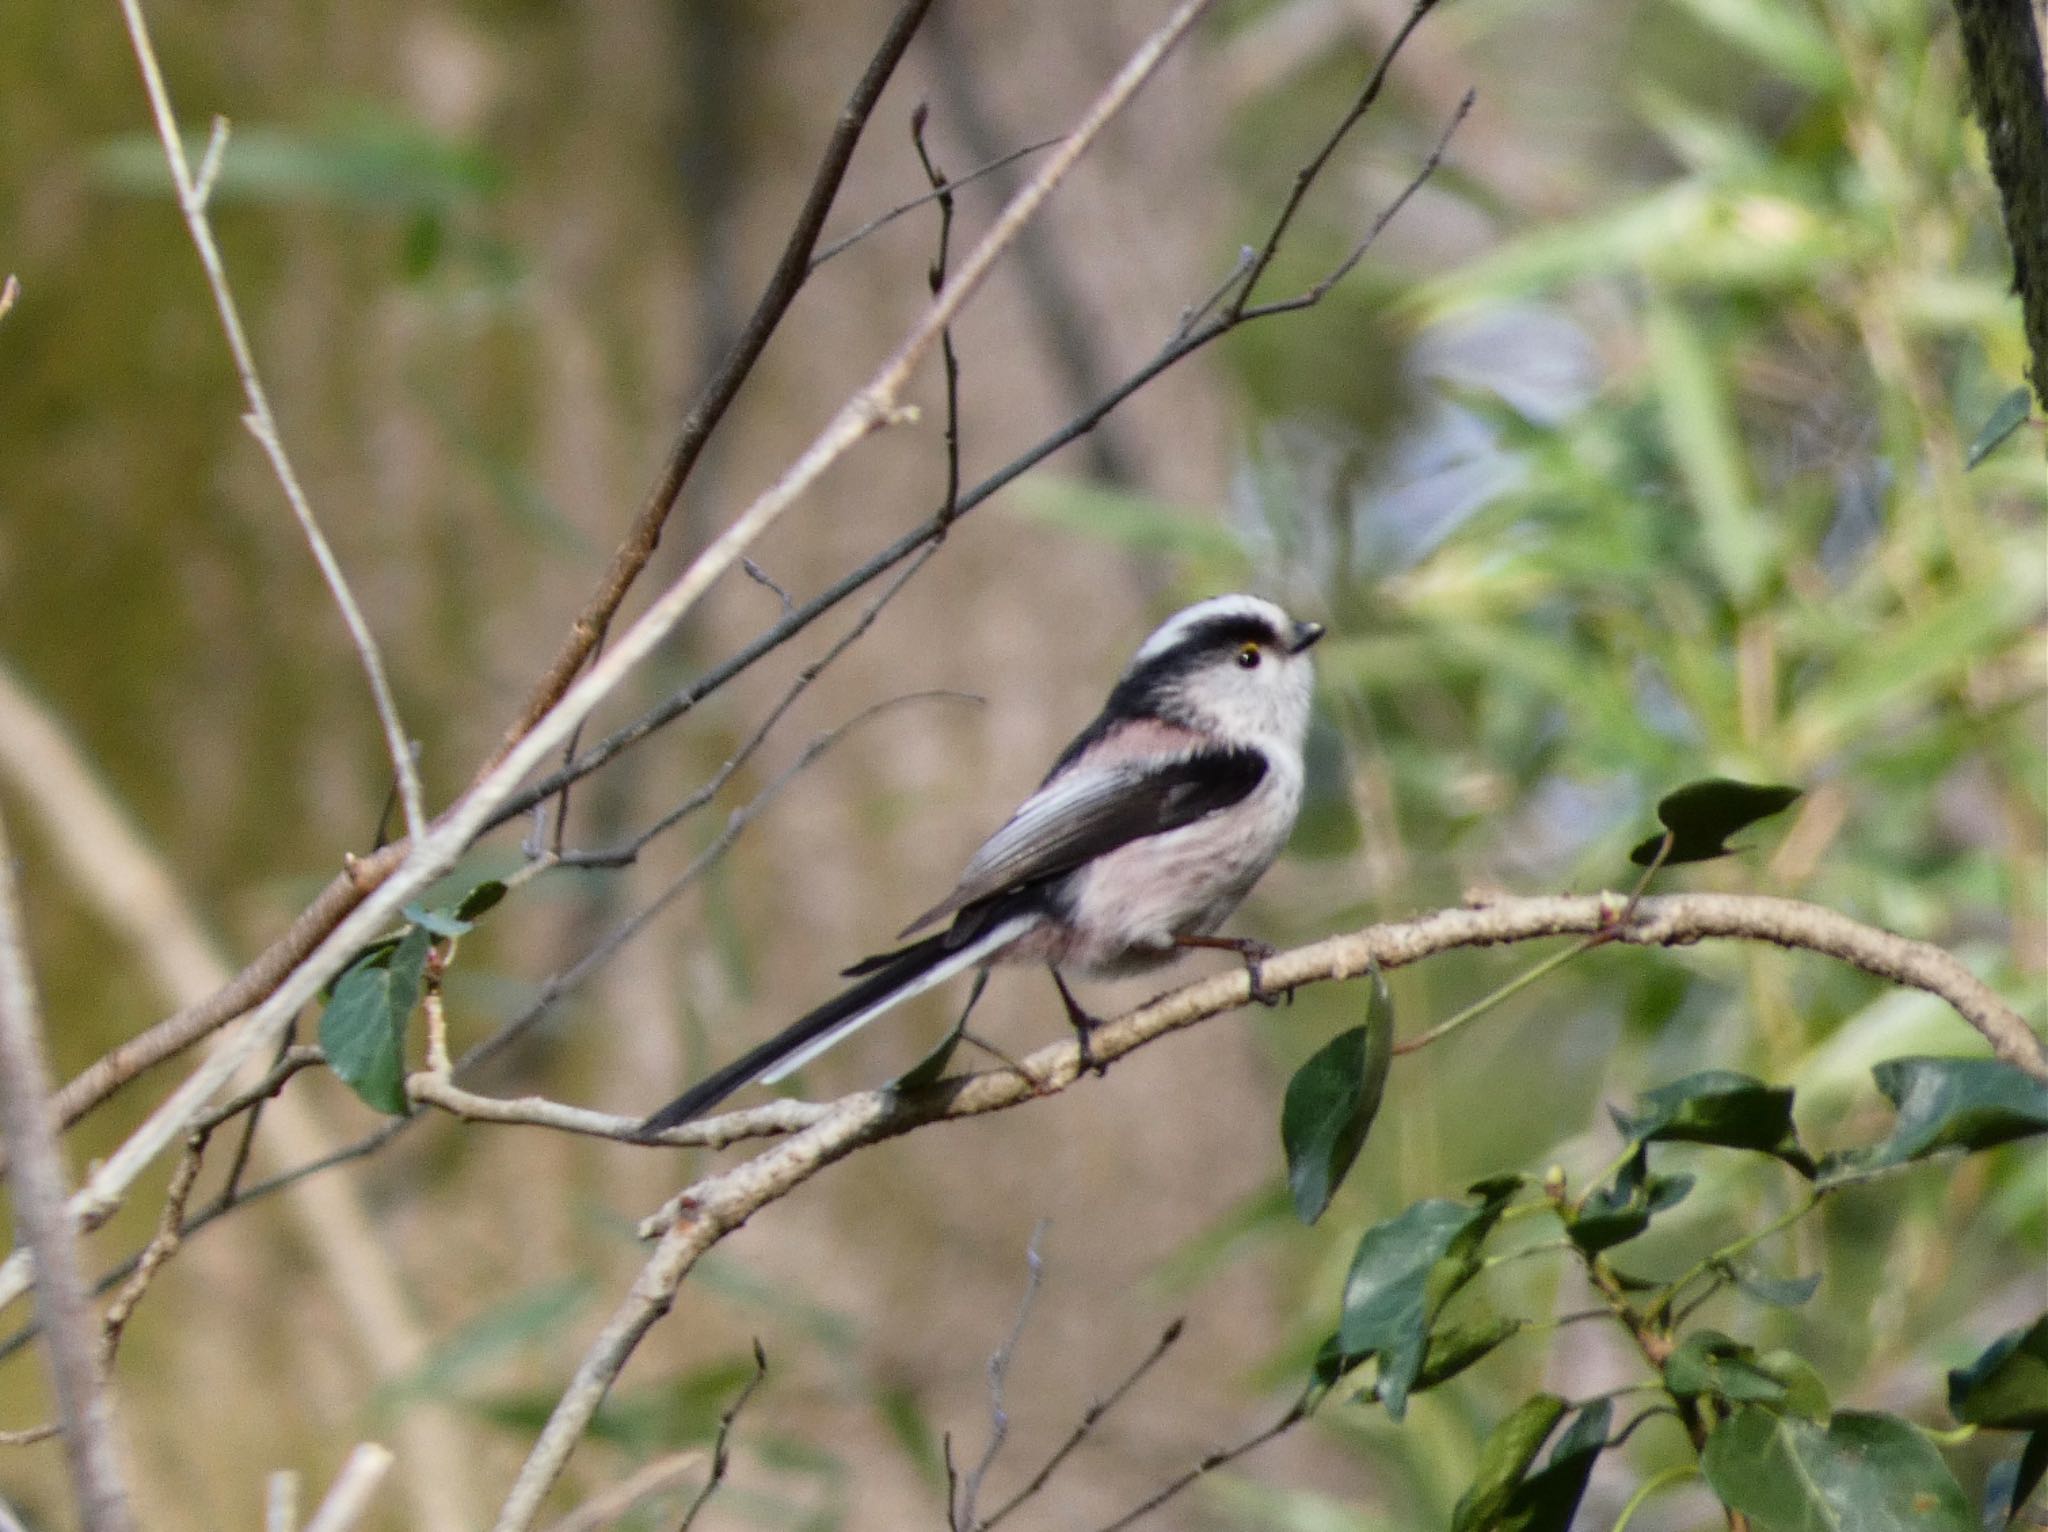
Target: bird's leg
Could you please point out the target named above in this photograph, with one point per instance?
(1081, 1021)
(960, 1031)
(1254, 954)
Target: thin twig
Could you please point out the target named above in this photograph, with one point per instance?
(35, 1176)
(935, 276)
(881, 220)
(1090, 1419)
(1295, 1415)
(791, 270)
(170, 1229)
(998, 1376)
(721, 1453)
(261, 423)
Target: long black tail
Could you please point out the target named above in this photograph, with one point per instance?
(892, 977)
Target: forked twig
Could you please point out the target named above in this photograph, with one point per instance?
(193, 192)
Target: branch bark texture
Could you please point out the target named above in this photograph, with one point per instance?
(703, 1214)
(36, 1178)
(2002, 48)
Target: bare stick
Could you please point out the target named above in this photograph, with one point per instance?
(1296, 1414)
(36, 1180)
(880, 220)
(350, 1494)
(721, 1451)
(998, 1375)
(1090, 1419)
(262, 424)
(281, 1502)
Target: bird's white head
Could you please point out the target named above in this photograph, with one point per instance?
(1233, 666)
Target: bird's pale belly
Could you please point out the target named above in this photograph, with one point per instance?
(1141, 896)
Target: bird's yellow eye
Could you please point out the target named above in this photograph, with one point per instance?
(1248, 656)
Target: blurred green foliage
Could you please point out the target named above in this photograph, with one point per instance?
(1723, 475)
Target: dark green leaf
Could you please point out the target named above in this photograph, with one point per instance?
(1620, 1211)
(1948, 1104)
(2033, 1463)
(1708, 1362)
(1702, 815)
(2009, 415)
(1718, 1106)
(363, 1027)
(1455, 1346)
(1504, 1460)
(1331, 1102)
(1547, 1501)
(2007, 1386)
(1386, 1295)
(1859, 1473)
(480, 900)
(1805, 1394)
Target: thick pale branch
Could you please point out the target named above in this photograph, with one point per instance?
(36, 1180)
(705, 1213)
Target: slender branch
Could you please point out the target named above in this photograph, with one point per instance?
(881, 220)
(791, 270)
(1295, 1414)
(1090, 1419)
(699, 1217)
(262, 424)
(721, 1451)
(36, 1181)
(962, 1508)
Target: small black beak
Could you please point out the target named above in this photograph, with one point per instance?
(1305, 634)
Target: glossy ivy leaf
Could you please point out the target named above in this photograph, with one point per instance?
(1331, 1102)
(1621, 1210)
(1404, 1270)
(1722, 1107)
(2007, 1386)
(1546, 1501)
(363, 1028)
(1708, 1362)
(2009, 415)
(1858, 1473)
(1504, 1461)
(1944, 1103)
(1702, 815)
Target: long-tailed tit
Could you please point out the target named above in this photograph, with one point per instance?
(1146, 833)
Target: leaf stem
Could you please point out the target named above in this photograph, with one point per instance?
(1678, 1473)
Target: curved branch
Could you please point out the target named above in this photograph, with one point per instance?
(703, 1214)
